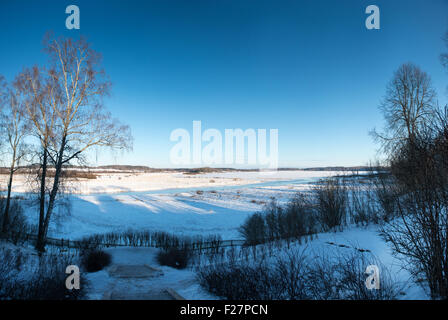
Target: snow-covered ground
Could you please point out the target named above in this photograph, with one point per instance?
(212, 209)
(139, 182)
(101, 284)
(200, 212)
(213, 203)
(367, 238)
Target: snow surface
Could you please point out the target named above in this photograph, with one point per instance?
(186, 284)
(132, 182)
(182, 210)
(101, 283)
(190, 205)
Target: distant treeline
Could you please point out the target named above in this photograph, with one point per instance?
(192, 171)
(357, 168)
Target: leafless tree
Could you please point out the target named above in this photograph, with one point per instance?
(407, 106)
(15, 127)
(417, 149)
(68, 115)
(444, 56)
(3, 91)
(42, 116)
(420, 234)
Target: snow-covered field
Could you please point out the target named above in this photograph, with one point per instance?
(185, 282)
(188, 207)
(212, 203)
(139, 182)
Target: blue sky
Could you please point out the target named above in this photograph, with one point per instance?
(307, 68)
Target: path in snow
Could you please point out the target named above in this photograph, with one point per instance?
(131, 276)
(136, 275)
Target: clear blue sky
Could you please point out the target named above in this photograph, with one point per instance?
(308, 68)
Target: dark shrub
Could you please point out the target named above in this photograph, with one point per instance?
(24, 278)
(260, 279)
(253, 229)
(387, 195)
(363, 206)
(96, 260)
(273, 217)
(18, 226)
(146, 238)
(299, 218)
(49, 282)
(275, 222)
(351, 272)
(241, 281)
(174, 257)
(296, 276)
(331, 202)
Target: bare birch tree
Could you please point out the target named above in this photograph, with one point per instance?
(43, 119)
(15, 127)
(68, 115)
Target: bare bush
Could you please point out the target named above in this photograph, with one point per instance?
(373, 200)
(350, 272)
(295, 275)
(387, 195)
(18, 226)
(95, 260)
(299, 218)
(331, 203)
(43, 280)
(6, 270)
(292, 221)
(292, 273)
(241, 281)
(158, 239)
(253, 229)
(174, 257)
(362, 205)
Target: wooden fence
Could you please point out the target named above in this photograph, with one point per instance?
(77, 244)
